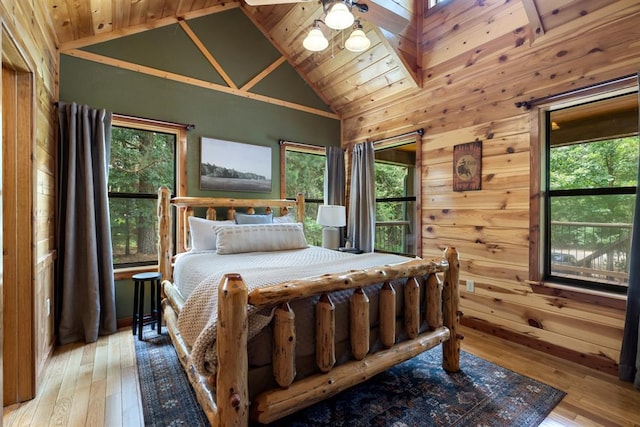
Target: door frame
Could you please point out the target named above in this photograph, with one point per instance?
(18, 196)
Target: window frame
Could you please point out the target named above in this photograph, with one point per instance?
(539, 246)
(180, 171)
(398, 141)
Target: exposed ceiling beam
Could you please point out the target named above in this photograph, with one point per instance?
(284, 53)
(410, 70)
(388, 14)
(264, 73)
(201, 47)
(533, 15)
(125, 65)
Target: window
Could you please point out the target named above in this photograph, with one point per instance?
(144, 156)
(432, 3)
(395, 199)
(304, 168)
(591, 177)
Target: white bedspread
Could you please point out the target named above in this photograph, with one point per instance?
(198, 274)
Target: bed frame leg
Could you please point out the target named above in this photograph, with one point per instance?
(232, 394)
(451, 312)
(165, 243)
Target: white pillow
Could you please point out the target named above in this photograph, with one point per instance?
(203, 233)
(253, 219)
(284, 219)
(259, 238)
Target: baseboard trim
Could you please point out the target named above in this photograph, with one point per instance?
(125, 322)
(602, 364)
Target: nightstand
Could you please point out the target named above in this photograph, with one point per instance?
(350, 250)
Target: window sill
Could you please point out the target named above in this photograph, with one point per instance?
(126, 272)
(607, 299)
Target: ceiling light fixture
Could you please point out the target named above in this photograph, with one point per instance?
(315, 40)
(357, 41)
(338, 16)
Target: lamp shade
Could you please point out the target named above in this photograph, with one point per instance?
(357, 41)
(339, 17)
(331, 216)
(315, 41)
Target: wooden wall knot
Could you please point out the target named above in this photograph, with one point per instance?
(535, 323)
(235, 400)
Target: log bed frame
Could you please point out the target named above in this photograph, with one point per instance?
(224, 397)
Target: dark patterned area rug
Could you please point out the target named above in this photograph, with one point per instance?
(415, 393)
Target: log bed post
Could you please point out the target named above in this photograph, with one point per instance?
(300, 207)
(451, 313)
(232, 394)
(164, 233)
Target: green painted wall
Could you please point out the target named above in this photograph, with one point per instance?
(243, 52)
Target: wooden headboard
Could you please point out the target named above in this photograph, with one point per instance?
(185, 208)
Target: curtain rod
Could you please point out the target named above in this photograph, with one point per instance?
(417, 131)
(300, 144)
(188, 127)
(562, 95)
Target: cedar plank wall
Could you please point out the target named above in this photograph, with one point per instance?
(478, 59)
(29, 24)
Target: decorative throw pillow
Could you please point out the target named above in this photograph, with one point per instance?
(259, 238)
(203, 234)
(253, 219)
(284, 219)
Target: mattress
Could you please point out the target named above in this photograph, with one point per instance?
(197, 275)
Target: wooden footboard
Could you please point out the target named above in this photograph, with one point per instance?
(230, 404)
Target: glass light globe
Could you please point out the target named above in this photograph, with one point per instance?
(357, 41)
(339, 17)
(315, 41)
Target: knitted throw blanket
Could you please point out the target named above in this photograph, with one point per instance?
(198, 318)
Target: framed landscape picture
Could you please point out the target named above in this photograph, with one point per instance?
(234, 166)
(467, 166)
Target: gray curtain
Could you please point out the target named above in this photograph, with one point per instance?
(334, 181)
(85, 295)
(334, 177)
(362, 198)
(630, 354)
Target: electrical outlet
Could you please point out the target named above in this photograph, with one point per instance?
(47, 304)
(470, 286)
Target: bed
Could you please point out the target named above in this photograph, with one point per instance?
(284, 325)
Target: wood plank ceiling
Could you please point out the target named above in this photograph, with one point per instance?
(347, 82)
(339, 77)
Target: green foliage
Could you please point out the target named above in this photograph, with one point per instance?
(304, 173)
(601, 164)
(141, 161)
(207, 169)
(391, 181)
(596, 165)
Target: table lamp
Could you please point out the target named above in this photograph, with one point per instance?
(331, 217)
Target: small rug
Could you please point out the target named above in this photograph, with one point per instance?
(417, 392)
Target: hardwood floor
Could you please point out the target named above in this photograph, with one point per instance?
(97, 385)
(86, 385)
